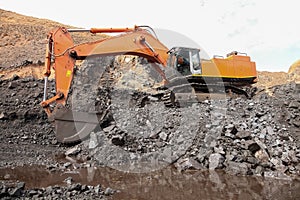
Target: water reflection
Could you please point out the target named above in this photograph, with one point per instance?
(167, 184)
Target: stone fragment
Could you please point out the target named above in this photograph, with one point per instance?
(237, 168)
(2, 115)
(270, 130)
(108, 191)
(294, 104)
(253, 147)
(18, 190)
(243, 134)
(12, 85)
(262, 155)
(187, 163)
(296, 123)
(93, 141)
(97, 189)
(215, 161)
(277, 175)
(118, 140)
(76, 187)
(109, 128)
(163, 136)
(73, 151)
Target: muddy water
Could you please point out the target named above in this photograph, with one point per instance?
(165, 184)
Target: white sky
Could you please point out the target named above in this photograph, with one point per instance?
(268, 31)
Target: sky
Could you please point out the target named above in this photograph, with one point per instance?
(268, 31)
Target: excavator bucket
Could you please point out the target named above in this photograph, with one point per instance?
(73, 126)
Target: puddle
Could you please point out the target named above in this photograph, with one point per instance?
(164, 184)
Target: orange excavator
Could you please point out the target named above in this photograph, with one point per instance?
(230, 73)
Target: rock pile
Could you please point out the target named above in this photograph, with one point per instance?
(243, 136)
(258, 136)
(72, 190)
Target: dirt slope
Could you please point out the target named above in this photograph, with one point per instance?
(23, 39)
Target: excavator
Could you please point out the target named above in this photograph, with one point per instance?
(231, 73)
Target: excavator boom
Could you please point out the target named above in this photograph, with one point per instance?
(62, 50)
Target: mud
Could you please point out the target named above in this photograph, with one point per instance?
(168, 183)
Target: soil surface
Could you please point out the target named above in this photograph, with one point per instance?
(228, 140)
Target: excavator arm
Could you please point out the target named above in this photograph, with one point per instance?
(61, 48)
(61, 55)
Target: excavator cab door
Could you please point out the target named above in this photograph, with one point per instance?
(185, 60)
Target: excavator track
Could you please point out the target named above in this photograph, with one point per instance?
(179, 84)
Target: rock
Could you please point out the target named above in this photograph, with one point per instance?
(4, 192)
(203, 153)
(294, 104)
(109, 128)
(74, 187)
(154, 135)
(163, 136)
(243, 134)
(253, 147)
(270, 130)
(69, 180)
(73, 151)
(260, 143)
(21, 185)
(219, 150)
(49, 189)
(108, 191)
(259, 170)
(32, 192)
(118, 140)
(262, 155)
(2, 115)
(7, 176)
(215, 161)
(296, 123)
(230, 128)
(84, 188)
(277, 175)
(18, 190)
(237, 168)
(97, 189)
(187, 163)
(93, 141)
(12, 85)
(67, 164)
(15, 77)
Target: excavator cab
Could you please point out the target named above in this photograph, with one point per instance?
(185, 60)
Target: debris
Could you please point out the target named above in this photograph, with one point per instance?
(73, 151)
(215, 161)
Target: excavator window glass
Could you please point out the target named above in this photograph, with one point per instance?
(188, 61)
(183, 63)
(196, 60)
